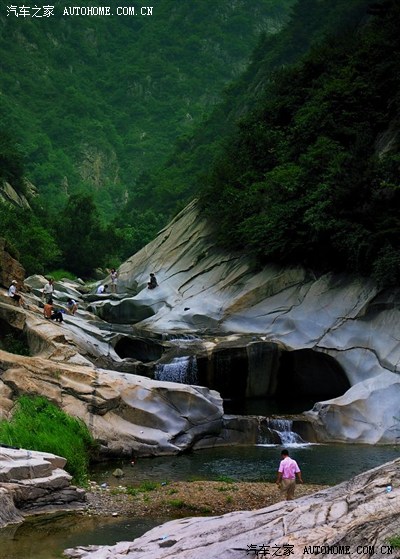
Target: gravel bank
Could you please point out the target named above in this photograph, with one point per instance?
(194, 498)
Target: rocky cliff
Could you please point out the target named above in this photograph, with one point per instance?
(336, 335)
(204, 290)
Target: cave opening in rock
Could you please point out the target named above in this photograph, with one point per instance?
(309, 376)
(144, 350)
(262, 379)
(302, 378)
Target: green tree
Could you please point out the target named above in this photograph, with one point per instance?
(33, 244)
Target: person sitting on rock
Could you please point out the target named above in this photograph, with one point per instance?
(102, 289)
(72, 306)
(50, 313)
(153, 282)
(13, 293)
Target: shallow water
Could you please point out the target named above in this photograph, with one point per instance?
(46, 537)
(326, 464)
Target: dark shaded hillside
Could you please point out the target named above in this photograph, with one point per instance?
(312, 176)
(90, 103)
(183, 174)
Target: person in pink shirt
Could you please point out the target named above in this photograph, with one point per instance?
(287, 473)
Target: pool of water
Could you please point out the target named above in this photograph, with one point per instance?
(46, 537)
(326, 464)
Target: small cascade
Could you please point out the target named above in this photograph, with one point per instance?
(283, 428)
(177, 338)
(181, 369)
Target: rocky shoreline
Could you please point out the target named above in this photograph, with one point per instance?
(360, 517)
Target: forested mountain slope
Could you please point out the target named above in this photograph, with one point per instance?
(312, 176)
(183, 175)
(95, 100)
(89, 104)
(298, 163)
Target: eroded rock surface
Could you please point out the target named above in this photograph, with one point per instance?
(203, 289)
(127, 413)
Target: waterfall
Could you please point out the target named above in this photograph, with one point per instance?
(181, 369)
(283, 427)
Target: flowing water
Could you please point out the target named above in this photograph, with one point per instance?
(181, 369)
(46, 537)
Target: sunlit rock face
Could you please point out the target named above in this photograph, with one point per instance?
(203, 289)
(257, 333)
(355, 516)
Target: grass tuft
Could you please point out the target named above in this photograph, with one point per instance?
(37, 424)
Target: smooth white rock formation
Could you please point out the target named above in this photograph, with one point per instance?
(204, 289)
(127, 413)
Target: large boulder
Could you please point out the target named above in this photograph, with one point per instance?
(355, 519)
(349, 418)
(34, 482)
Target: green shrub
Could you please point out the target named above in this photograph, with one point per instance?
(225, 479)
(148, 486)
(39, 425)
(58, 275)
(14, 343)
(177, 504)
(395, 541)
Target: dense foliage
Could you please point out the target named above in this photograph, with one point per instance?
(299, 159)
(39, 425)
(312, 174)
(97, 102)
(28, 240)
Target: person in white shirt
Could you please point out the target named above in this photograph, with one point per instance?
(72, 306)
(102, 289)
(13, 293)
(48, 290)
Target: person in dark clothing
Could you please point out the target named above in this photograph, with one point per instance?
(50, 313)
(153, 282)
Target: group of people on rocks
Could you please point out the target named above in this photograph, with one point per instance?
(50, 312)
